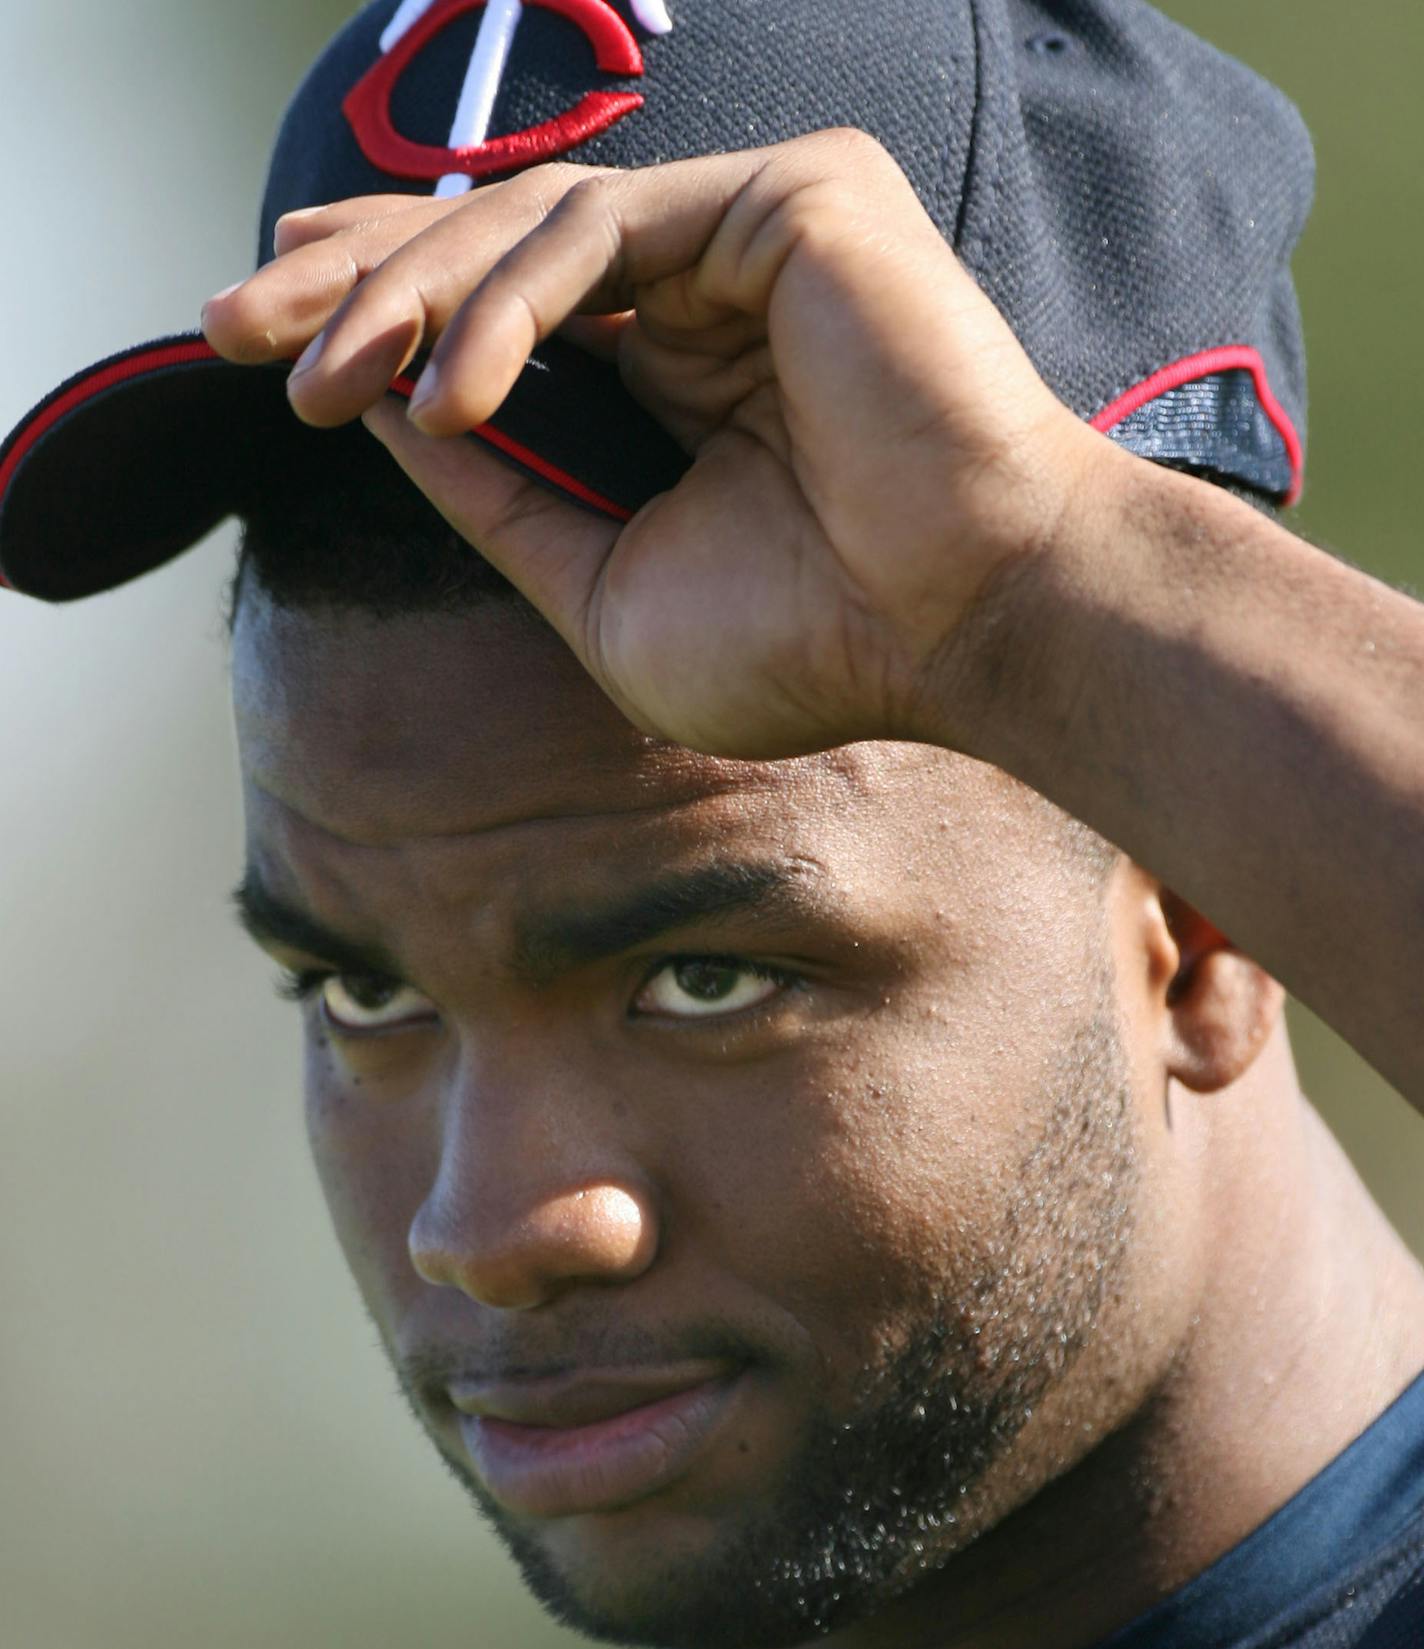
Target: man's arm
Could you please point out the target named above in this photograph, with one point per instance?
(1244, 716)
(893, 530)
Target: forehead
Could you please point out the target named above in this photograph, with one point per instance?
(433, 725)
(477, 738)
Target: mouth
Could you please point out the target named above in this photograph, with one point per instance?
(585, 1444)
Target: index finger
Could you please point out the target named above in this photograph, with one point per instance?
(323, 255)
(315, 223)
(695, 246)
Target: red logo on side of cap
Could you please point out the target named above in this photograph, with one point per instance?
(368, 103)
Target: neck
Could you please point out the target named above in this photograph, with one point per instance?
(1306, 1320)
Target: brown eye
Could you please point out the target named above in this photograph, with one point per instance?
(368, 1002)
(704, 987)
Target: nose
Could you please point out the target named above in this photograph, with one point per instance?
(595, 1234)
(515, 1217)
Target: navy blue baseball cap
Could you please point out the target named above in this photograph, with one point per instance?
(1127, 196)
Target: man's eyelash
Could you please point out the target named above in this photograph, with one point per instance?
(784, 977)
(301, 984)
(758, 970)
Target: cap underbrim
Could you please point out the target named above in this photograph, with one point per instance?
(129, 463)
(132, 461)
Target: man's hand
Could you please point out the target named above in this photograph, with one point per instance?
(871, 443)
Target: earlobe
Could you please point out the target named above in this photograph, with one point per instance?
(1220, 1006)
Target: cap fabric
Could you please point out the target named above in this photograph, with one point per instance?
(1128, 197)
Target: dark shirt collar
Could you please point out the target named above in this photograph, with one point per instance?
(1361, 1502)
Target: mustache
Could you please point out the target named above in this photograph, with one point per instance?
(519, 1352)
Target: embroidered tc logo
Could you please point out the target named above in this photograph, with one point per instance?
(471, 152)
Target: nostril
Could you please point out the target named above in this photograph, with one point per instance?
(1049, 44)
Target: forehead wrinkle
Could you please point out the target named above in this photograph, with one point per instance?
(382, 879)
(399, 837)
(690, 780)
(547, 916)
(438, 727)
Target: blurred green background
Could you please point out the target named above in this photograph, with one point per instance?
(198, 1438)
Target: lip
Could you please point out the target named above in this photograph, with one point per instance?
(567, 1447)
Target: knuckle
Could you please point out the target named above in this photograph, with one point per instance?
(598, 202)
(563, 173)
(340, 280)
(852, 140)
(594, 185)
(547, 184)
(593, 194)
(851, 151)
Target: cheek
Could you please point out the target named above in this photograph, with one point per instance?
(368, 1160)
(919, 1178)
(866, 1187)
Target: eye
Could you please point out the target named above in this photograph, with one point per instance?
(362, 1002)
(367, 1002)
(706, 987)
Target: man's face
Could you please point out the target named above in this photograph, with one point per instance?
(741, 1161)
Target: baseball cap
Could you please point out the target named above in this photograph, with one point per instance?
(1127, 196)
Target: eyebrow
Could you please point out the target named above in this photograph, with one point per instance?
(558, 941)
(271, 920)
(562, 940)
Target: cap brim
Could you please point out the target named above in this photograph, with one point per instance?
(132, 461)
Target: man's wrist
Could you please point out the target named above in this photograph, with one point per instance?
(1003, 687)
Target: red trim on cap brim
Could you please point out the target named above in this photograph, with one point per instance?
(1232, 358)
(532, 461)
(117, 372)
(199, 352)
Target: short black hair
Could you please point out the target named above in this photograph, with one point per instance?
(358, 536)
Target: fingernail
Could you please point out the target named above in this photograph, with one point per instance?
(309, 356)
(218, 297)
(426, 387)
(294, 216)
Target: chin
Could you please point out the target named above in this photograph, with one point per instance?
(666, 1594)
(778, 1576)
(644, 1575)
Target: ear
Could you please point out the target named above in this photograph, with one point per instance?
(1219, 1007)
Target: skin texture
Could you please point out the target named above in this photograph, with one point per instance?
(1019, 1146)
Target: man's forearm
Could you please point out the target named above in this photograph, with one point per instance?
(1245, 717)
